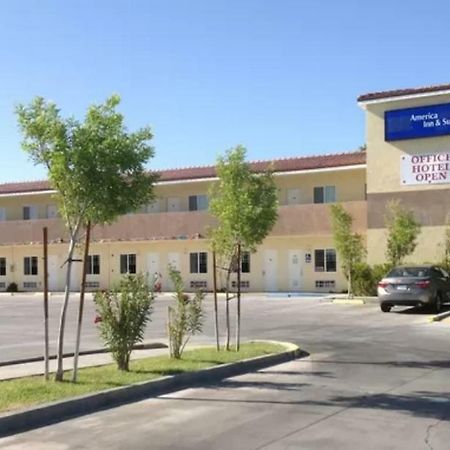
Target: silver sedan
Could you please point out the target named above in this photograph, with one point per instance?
(414, 286)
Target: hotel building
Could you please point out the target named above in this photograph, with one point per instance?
(407, 157)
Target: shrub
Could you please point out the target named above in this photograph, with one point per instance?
(123, 315)
(366, 278)
(185, 318)
(12, 287)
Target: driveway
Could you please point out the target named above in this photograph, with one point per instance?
(372, 381)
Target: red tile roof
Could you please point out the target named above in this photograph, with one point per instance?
(402, 92)
(190, 173)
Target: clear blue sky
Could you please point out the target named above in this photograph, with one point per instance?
(278, 76)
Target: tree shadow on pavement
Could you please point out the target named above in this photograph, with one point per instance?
(261, 385)
(316, 373)
(434, 364)
(419, 404)
(423, 404)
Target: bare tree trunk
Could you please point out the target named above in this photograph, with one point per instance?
(349, 285)
(238, 305)
(227, 304)
(169, 333)
(216, 314)
(81, 307)
(46, 350)
(62, 319)
(227, 317)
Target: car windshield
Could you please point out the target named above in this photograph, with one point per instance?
(409, 272)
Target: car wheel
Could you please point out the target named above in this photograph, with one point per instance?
(385, 308)
(438, 303)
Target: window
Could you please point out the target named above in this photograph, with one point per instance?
(198, 202)
(199, 262)
(93, 265)
(330, 284)
(199, 284)
(244, 284)
(325, 260)
(325, 194)
(245, 262)
(30, 265)
(2, 267)
(128, 263)
(30, 212)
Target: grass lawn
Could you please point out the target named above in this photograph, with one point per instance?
(29, 391)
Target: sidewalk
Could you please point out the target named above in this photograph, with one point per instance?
(98, 359)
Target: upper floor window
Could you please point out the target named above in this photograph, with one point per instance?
(2, 214)
(30, 265)
(325, 260)
(325, 194)
(198, 202)
(2, 267)
(93, 265)
(198, 262)
(128, 263)
(30, 212)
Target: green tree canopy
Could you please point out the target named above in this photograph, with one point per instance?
(97, 168)
(349, 245)
(403, 230)
(245, 205)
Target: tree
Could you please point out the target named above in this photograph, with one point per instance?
(403, 230)
(123, 315)
(446, 247)
(349, 245)
(245, 205)
(96, 167)
(185, 318)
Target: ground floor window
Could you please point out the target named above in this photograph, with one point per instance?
(2, 266)
(93, 265)
(325, 260)
(198, 262)
(329, 284)
(245, 262)
(30, 265)
(128, 263)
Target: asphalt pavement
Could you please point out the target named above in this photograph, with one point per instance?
(373, 380)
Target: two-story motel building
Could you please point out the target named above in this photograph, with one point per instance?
(407, 157)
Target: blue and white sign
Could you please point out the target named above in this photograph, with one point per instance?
(420, 122)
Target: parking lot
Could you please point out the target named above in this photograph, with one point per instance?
(373, 379)
(304, 319)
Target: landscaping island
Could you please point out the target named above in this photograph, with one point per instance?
(30, 391)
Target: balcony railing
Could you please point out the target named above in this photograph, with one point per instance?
(311, 219)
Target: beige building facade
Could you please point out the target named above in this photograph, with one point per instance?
(299, 253)
(408, 160)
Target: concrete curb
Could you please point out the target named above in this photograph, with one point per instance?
(440, 316)
(145, 346)
(19, 421)
(348, 302)
(354, 301)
